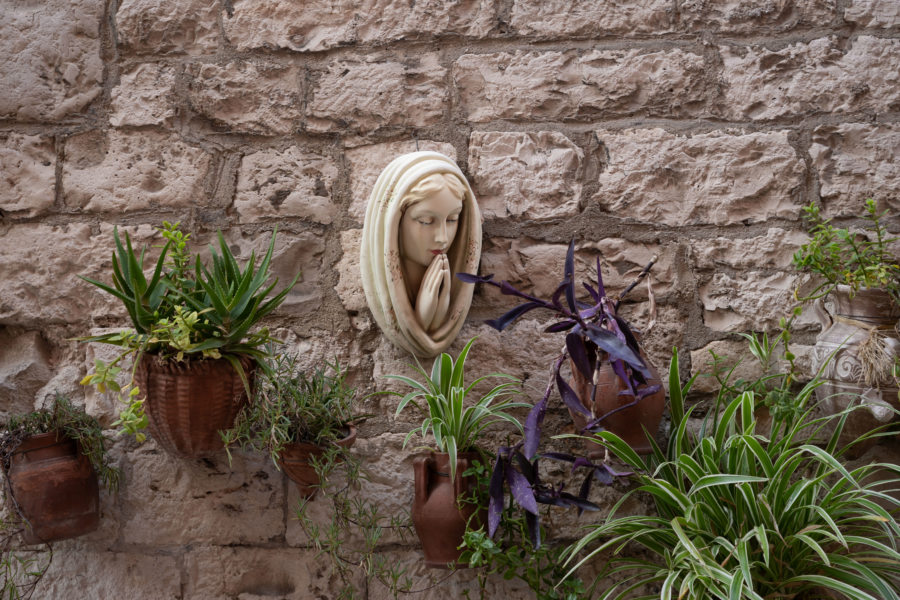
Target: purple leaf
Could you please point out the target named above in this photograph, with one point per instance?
(616, 348)
(560, 456)
(557, 294)
(528, 470)
(578, 354)
(603, 474)
(470, 278)
(618, 368)
(600, 288)
(570, 277)
(533, 427)
(648, 391)
(502, 322)
(581, 503)
(569, 397)
(521, 491)
(561, 326)
(594, 293)
(495, 507)
(582, 462)
(534, 529)
(585, 490)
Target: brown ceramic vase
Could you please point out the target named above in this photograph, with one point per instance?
(628, 423)
(436, 515)
(189, 402)
(850, 324)
(295, 462)
(54, 487)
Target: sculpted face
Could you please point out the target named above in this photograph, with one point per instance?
(428, 227)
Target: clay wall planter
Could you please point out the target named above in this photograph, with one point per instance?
(295, 462)
(54, 487)
(188, 403)
(436, 514)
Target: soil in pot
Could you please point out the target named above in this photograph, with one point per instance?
(439, 519)
(54, 487)
(295, 462)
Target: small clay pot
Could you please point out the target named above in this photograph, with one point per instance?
(54, 488)
(295, 462)
(436, 515)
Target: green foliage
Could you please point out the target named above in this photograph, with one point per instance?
(179, 313)
(20, 571)
(742, 516)
(289, 406)
(840, 256)
(72, 421)
(456, 427)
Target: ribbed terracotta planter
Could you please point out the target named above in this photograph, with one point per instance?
(189, 402)
(436, 515)
(629, 423)
(294, 461)
(54, 487)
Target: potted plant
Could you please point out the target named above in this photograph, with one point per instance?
(191, 344)
(745, 516)
(296, 417)
(858, 349)
(51, 459)
(614, 385)
(438, 517)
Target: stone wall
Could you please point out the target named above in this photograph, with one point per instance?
(690, 129)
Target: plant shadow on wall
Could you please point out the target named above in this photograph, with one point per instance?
(744, 514)
(51, 461)
(191, 344)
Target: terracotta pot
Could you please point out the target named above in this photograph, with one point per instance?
(55, 488)
(188, 403)
(843, 332)
(628, 423)
(436, 515)
(294, 461)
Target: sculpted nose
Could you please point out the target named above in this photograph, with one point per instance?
(440, 235)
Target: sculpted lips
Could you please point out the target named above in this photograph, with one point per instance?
(436, 252)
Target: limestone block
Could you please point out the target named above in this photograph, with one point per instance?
(659, 336)
(551, 86)
(40, 265)
(173, 501)
(83, 572)
(28, 167)
(125, 172)
(247, 96)
(144, 96)
(715, 178)
(168, 26)
(256, 573)
(823, 76)
(530, 175)
(873, 13)
(51, 66)
(591, 18)
(734, 352)
(754, 301)
(282, 184)
(775, 250)
(854, 162)
(25, 367)
(349, 286)
(367, 96)
(323, 24)
(751, 17)
(367, 163)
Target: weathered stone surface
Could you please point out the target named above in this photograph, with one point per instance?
(172, 501)
(748, 367)
(51, 66)
(40, 265)
(168, 26)
(144, 96)
(749, 16)
(24, 369)
(714, 178)
(247, 96)
(854, 162)
(823, 76)
(256, 573)
(126, 172)
(367, 163)
(370, 95)
(324, 24)
(591, 18)
(775, 250)
(530, 175)
(282, 184)
(572, 85)
(349, 286)
(83, 572)
(873, 13)
(28, 181)
(754, 301)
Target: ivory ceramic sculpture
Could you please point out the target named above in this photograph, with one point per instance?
(422, 227)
